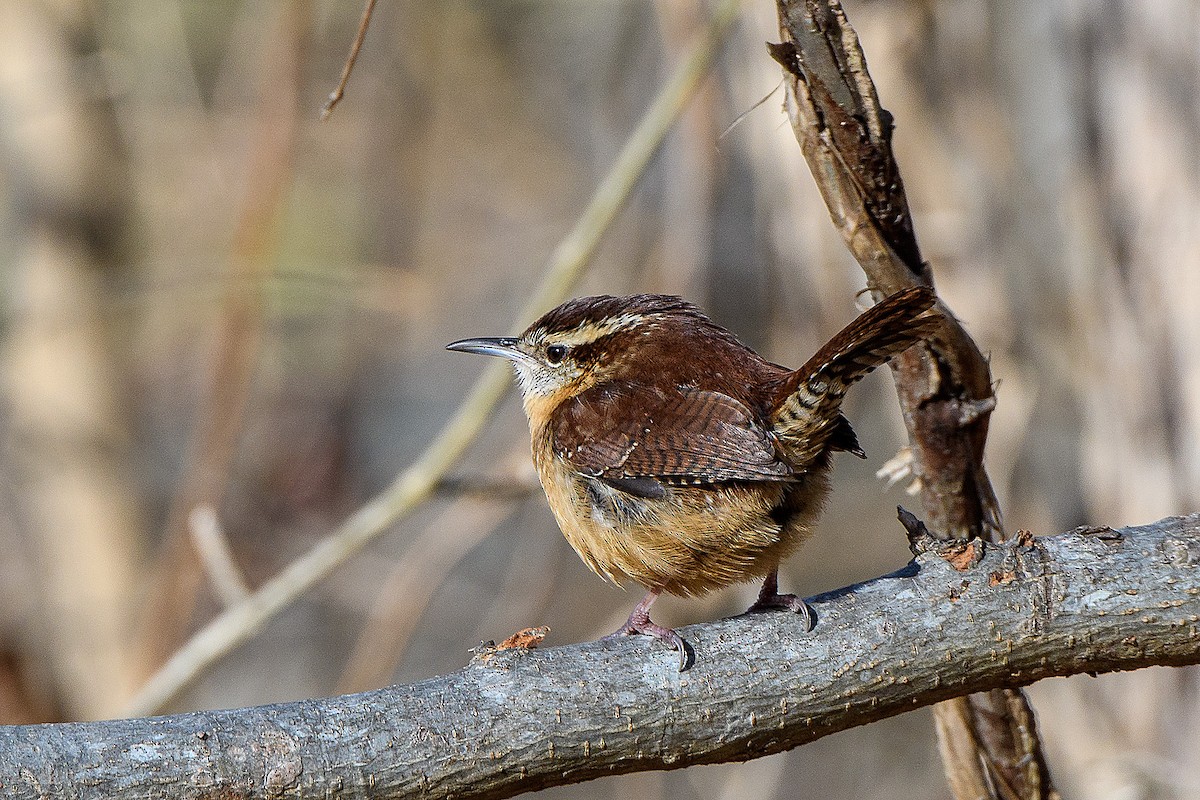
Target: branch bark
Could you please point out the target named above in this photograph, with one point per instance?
(960, 618)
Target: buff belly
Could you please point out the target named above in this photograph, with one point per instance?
(689, 542)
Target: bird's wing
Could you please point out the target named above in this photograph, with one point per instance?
(806, 416)
(624, 433)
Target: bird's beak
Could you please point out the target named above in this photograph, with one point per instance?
(505, 347)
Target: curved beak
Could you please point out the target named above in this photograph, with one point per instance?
(505, 347)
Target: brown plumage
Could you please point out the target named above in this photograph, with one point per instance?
(675, 457)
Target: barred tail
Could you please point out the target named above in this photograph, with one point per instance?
(808, 401)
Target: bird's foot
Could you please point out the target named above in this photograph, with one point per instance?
(639, 622)
(770, 598)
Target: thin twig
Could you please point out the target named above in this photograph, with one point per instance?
(335, 96)
(742, 117)
(529, 587)
(504, 488)
(408, 591)
(216, 556)
(236, 625)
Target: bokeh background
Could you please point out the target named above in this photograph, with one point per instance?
(222, 320)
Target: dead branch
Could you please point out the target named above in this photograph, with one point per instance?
(989, 742)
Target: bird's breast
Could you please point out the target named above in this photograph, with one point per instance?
(689, 541)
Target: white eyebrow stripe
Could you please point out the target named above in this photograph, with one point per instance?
(591, 331)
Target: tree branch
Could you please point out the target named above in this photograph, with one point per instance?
(989, 742)
(945, 385)
(958, 619)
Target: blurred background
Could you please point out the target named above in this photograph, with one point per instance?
(223, 321)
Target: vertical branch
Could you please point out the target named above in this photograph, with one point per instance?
(178, 574)
(845, 135)
(989, 741)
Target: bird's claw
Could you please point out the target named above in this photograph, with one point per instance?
(790, 602)
(648, 627)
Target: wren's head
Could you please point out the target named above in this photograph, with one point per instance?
(582, 342)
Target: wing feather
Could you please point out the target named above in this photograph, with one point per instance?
(688, 436)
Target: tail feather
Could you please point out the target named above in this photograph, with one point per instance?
(808, 401)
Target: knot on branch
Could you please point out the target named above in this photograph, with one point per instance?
(958, 553)
(1101, 533)
(1180, 552)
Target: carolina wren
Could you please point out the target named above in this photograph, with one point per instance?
(676, 457)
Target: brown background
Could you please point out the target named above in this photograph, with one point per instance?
(211, 297)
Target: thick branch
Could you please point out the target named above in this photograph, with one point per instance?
(970, 619)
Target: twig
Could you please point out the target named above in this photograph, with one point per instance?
(215, 555)
(505, 488)
(517, 720)
(410, 588)
(528, 590)
(414, 485)
(335, 96)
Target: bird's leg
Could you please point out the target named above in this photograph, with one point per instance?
(639, 622)
(769, 597)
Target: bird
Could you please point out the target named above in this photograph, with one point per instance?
(675, 457)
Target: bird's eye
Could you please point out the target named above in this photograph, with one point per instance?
(555, 353)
